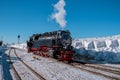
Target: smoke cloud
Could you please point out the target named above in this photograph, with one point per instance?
(59, 13)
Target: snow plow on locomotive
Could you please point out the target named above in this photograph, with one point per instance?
(56, 44)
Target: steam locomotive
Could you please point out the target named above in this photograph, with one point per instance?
(56, 44)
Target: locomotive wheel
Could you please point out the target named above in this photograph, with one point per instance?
(55, 54)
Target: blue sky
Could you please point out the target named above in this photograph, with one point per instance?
(85, 18)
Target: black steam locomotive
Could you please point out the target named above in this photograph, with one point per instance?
(56, 44)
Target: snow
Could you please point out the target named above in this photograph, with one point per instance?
(54, 70)
(1, 72)
(1, 68)
(97, 43)
(100, 49)
(22, 70)
(100, 71)
(104, 50)
(20, 46)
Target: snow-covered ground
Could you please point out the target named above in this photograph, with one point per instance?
(52, 69)
(1, 70)
(104, 50)
(2, 50)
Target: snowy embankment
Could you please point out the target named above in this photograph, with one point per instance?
(101, 49)
(20, 46)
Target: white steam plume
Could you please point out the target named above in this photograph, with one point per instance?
(59, 13)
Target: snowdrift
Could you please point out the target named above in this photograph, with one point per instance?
(20, 46)
(101, 49)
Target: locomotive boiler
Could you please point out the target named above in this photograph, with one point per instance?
(56, 44)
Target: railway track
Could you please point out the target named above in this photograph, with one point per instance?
(111, 67)
(105, 68)
(31, 69)
(89, 68)
(96, 69)
(17, 76)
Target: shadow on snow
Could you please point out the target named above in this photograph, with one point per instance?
(5, 65)
(94, 57)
